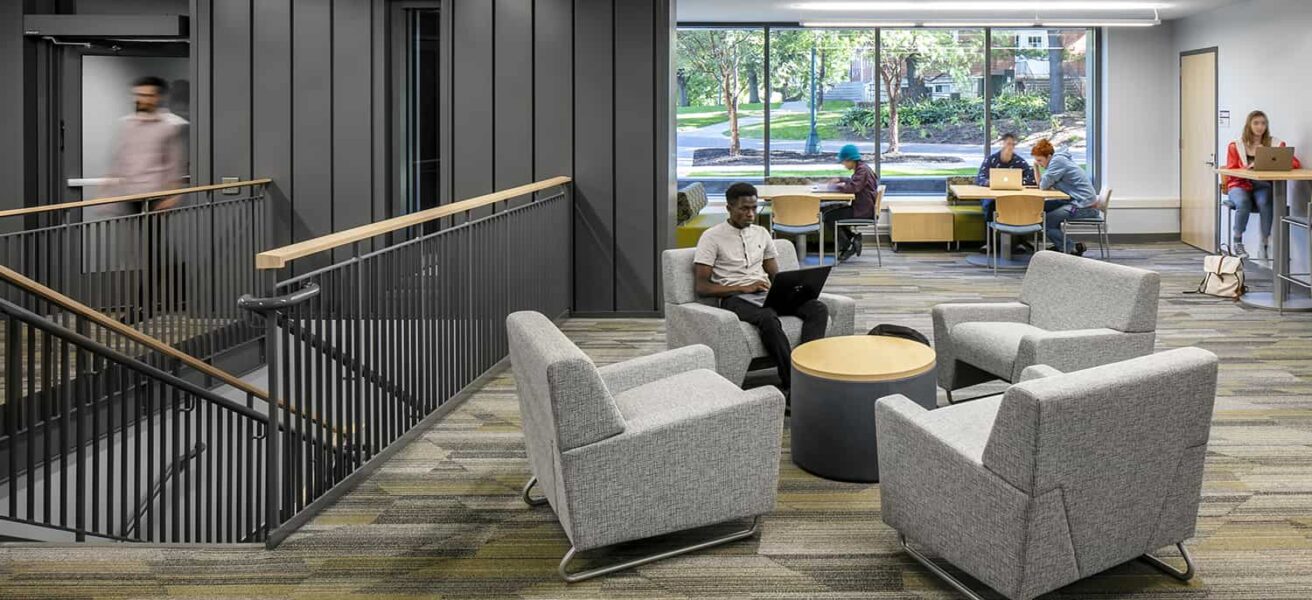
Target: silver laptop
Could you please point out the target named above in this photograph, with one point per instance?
(1274, 159)
(1006, 179)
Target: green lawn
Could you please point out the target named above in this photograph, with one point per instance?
(795, 127)
(685, 110)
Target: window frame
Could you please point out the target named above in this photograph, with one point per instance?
(1092, 93)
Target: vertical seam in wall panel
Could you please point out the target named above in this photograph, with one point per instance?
(493, 78)
(573, 143)
(655, 149)
(332, 118)
(291, 121)
(250, 103)
(614, 213)
(533, 92)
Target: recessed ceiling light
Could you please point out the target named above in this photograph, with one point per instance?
(1000, 5)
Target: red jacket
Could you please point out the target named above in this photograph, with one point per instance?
(1235, 159)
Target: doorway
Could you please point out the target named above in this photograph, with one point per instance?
(95, 94)
(1199, 189)
(415, 55)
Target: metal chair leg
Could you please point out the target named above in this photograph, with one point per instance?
(937, 570)
(589, 574)
(879, 255)
(529, 500)
(1185, 575)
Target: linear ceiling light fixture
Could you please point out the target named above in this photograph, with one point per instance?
(857, 24)
(1013, 6)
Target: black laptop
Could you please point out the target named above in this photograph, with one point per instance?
(791, 289)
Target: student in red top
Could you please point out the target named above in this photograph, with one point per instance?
(1244, 194)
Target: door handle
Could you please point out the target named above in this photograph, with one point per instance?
(1209, 163)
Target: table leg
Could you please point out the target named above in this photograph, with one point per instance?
(1006, 247)
(800, 242)
(1280, 266)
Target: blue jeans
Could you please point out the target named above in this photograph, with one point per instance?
(1244, 200)
(1059, 211)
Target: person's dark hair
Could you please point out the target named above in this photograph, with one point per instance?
(1008, 136)
(159, 84)
(738, 190)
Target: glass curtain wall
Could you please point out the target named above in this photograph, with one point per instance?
(825, 85)
(916, 94)
(1042, 89)
(932, 83)
(721, 84)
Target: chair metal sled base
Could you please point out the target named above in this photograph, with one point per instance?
(938, 571)
(589, 574)
(529, 500)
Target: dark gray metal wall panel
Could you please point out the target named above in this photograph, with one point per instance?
(513, 89)
(312, 122)
(352, 39)
(636, 162)
(594, 184)
(471, 105)
(553, 88)
(378, 83)
(667, 180)
(271, 115)
(230, 64)
(13, 166)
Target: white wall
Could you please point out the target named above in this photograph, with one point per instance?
(1264, 61)
(1139, 140)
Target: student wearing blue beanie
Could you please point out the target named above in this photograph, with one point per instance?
(862, 184)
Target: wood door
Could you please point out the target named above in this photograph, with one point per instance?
(1199, 207)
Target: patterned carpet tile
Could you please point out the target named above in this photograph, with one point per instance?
(442, 518)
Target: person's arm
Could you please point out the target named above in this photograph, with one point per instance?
(173, 163)
(1052, 175)
(706, 287)
(982, 177)
(1027, 173)
(861, 179)
(1296, 163)
(771, 267)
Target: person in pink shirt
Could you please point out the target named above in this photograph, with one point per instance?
(149, 151)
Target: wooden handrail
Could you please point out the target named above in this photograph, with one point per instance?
(17, 212)
(91, 314)
(279, 257)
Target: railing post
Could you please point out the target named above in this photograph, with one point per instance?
(273, 445)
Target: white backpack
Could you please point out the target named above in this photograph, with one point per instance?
(1223, 275)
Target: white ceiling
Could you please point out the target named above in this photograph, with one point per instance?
(786, 11)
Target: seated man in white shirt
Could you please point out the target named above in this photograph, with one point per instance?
(738, 257)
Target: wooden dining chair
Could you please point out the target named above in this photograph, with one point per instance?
(798, 216)
(1015, 215)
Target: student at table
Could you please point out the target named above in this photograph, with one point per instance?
(863, 184)
(1059, 172)
(1004, 158)
(1245, 194)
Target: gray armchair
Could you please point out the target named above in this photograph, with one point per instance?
(1064, 476)
(641, 448)
(1073, 313)
(690, 319)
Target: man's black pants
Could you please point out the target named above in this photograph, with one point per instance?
(814, 316)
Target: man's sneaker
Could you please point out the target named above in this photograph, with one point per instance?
(1079, 249)
(1238, 249)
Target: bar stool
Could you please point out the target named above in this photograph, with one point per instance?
(798, 216)
(874, 223)
(1015, 215)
